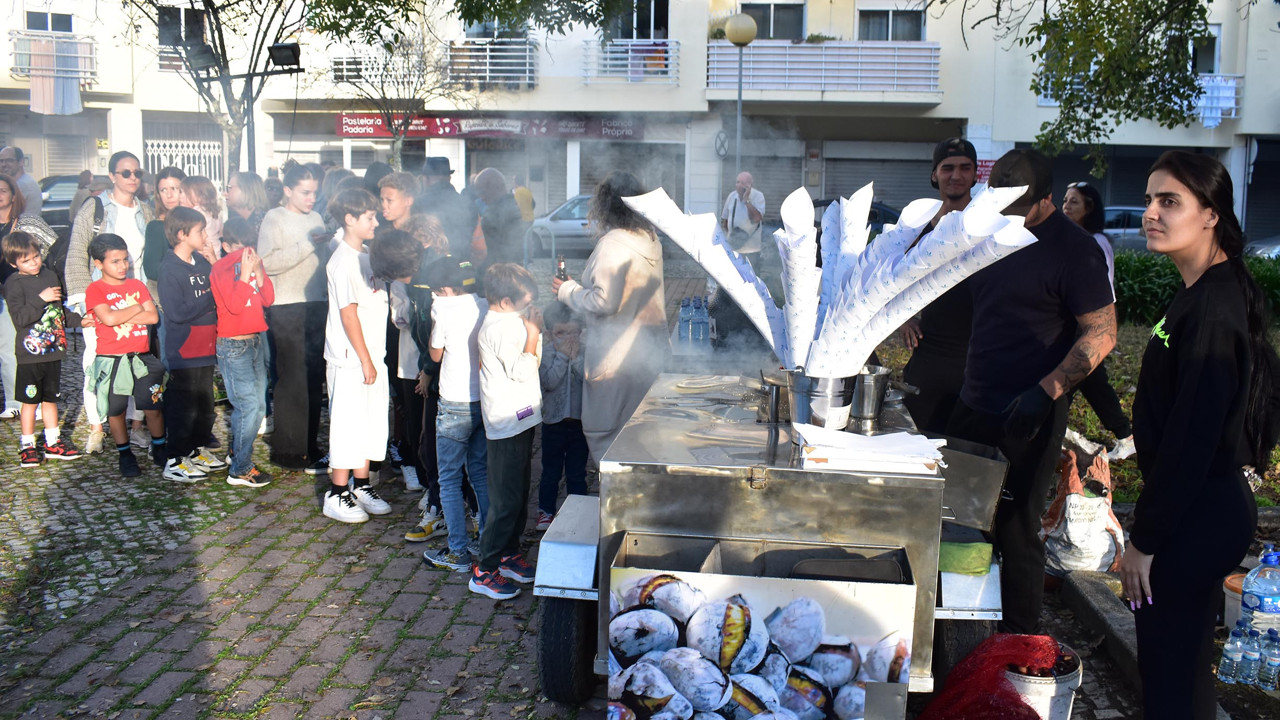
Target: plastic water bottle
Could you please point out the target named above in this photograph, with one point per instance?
(705, 319)
(1232, 654)
(1260, 599)
(1267, 549)
(686, 316)
(1269, 672)
(1251, 662)
(698, 333)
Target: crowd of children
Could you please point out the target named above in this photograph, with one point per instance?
(467, 377)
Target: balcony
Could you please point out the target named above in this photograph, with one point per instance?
(494, 64)
(631, 61)
(908, 70)
(54, 55)
(1219, 101)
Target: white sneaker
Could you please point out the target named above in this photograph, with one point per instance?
(369, 500)
(411, 483)
(140, 438)
(183, 470)
(268, 426)
(204, 459)
(430, 526)
(344, 508)
(1086, 446)
(1124, 448)
(95, 442)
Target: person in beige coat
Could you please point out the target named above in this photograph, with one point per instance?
(621, 295)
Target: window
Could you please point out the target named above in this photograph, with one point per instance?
(777, 21)
(48, 22)
(1205, 52)
(347, 69)
(180, 26)
(493, 30)
(645, 20)
(897, 25)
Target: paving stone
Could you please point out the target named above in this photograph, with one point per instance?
(256, 643)
(201, 655)
(419, 705)
(308, 631)
(245, 696)
(310, 588)
(431, 622)
(333, 702)
(280, 661)
(85, 678)
(461, 638)
(141, 669)
(405, 605)
(360, 668)
(223, 674)
(162, 688)
(68, 659)
(305, 682)
(285, 614)
(284, 711)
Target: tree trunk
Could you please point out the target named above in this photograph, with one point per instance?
(235, 139)
(397, 146)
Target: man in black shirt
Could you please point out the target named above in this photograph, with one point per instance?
(939, 339)
(1043, 319)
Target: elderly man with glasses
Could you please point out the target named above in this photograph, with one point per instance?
(12, 163)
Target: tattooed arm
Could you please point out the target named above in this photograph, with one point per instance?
(1097, 338)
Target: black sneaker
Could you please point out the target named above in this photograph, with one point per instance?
(319, 467)
(159, 454)
(129, 465)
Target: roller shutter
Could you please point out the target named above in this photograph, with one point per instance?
(1262, 212)
(64, 154)
(897, 182)
(656, 165)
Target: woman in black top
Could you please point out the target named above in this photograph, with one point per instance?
(1199, 416)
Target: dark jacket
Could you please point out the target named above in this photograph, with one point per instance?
(504, 229)
(190, 318)
(40, 326)
(420, 314)
(455, 213)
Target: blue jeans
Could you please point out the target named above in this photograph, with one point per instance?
(460, 440)
(564, 451)
(244, 371)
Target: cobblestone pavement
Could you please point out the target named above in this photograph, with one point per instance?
(151, 599)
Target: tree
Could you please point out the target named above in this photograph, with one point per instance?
(222, 45)
(1104, 61)
(398, 78)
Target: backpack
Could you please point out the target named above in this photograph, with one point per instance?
(56, 257)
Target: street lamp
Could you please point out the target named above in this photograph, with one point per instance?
(740, 30)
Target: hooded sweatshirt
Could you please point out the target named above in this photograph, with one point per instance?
(240, 304)
(189, 316)
(625, 341)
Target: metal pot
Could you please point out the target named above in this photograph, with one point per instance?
(868, 388)
(819, 401)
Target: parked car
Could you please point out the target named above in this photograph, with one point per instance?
(1267, 247)
(57, 191)
(565, 227)
(1123, 226)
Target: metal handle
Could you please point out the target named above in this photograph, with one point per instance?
(948, 513)
(904, 387)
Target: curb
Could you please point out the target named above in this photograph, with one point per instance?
(1093, 597)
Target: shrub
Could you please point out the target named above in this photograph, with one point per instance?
(1146, 284)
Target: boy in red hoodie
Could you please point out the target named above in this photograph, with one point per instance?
(241, 289)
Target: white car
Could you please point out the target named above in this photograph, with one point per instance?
(565, 228)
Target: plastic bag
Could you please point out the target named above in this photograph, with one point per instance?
(979, 689)
(1080, 531)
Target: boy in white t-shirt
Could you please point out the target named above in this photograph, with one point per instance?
(510, 344)
(354, 346)
(456, 315)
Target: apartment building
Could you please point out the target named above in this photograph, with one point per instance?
(835, 94)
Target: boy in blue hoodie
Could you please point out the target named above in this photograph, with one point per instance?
(189, 346)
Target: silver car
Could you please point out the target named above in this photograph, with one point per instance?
(564, 228)
(1123, 225)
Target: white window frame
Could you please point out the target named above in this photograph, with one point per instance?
(48, 19)
(1215, 29)
(892, 6)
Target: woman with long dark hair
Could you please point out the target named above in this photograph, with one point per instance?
(1200, 416)
(1083, 205)
(621, 296)
(293, 246)
(168, 194)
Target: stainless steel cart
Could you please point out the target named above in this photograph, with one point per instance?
(693, 462)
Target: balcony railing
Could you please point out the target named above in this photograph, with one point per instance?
(510, 64)
(631, 61)
(1219, 101)
(836, 66)
(56, 55)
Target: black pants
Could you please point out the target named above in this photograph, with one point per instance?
(414, 450)
(1097, 391)
(564, 452)
(510, 473)
(939, 378)
(188, 409)
(1017, 527)
(1175, 634)
(299, 343)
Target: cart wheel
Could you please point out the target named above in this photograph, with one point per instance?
(953, 640)
(566, 649)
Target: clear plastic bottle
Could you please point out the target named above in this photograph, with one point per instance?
(686, 315)
(1232, 654)
(1260, 599)
(1267, 549)
(1251, 662)
(698, 329)
(1269, 672)
(705, 319)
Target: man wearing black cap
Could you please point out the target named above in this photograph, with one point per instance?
(939, 339)
(1043, 319)
(439, 198)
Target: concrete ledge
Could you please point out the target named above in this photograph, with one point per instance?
(1094, 598)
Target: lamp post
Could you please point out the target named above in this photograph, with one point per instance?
(740, 30)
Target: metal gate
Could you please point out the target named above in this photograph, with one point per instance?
(897, 182)
(193, 147)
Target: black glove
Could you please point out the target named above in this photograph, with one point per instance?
(1027, 413)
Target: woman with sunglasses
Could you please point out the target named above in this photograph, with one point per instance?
(127, 216)
(1083, 204)
(1203, 411)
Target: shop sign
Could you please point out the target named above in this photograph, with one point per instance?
(984, 169)
(563, 128)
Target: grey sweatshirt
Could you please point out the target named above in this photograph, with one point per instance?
(293, 261)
